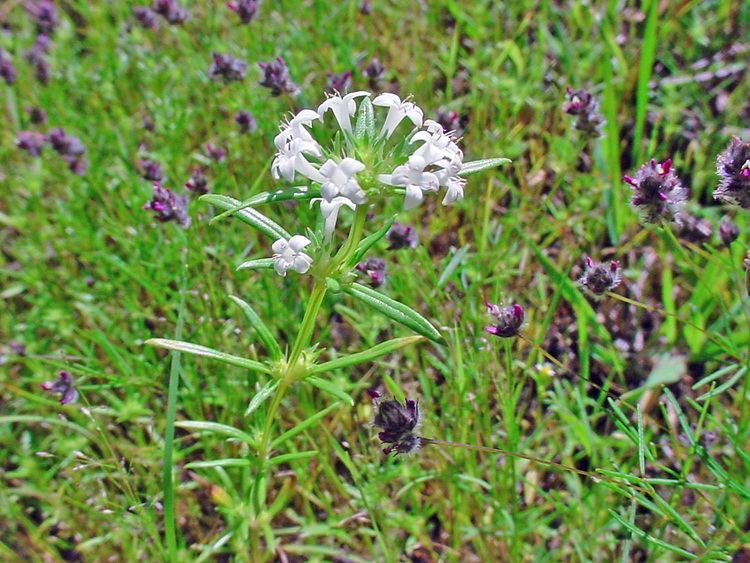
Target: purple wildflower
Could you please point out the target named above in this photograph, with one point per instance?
(450, 121)
(658, 194)
(599, 278)
(227, 68)
(63, 386)
(728, 231)
(693, 229)
(401, 236)
(585, 107)
(733, 169)
(197, 183)
(397, 422)
(245, 121)
(44, 14)
(31, 142)
(340, 82)
(365, 8)
(215, 152)
(151, 170)
(508, 320)
(69, 148)
(37, 57)
(37, 116)
(7, 70)
(167, 206)
(146, 17)
(170, 11)
(374, 271)
(375, 73)
(245, 9)
(276, 77)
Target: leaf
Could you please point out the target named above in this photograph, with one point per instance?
(651, 539)
(367, 355)
(478, 165)
(668, 369)
(285, 458)
(394, 310)
(198, 350)
(303, 425)
(284, 194)
(260, 264)
(367, 243)
(228, 462)
(724, 386)
(265, 335)
(216, 428)
(365, 124)
(330, 388)
(250, 216)
(265, 392)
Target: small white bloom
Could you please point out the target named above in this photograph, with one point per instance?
(330, 211)
(297, 126)
(342, 108)
(290, 158)
(339, 180)
(414, 178)
(287, 254)
(448, 177)
(397, 111)
(437, 145)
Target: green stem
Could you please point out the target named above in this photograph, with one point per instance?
(355, 235)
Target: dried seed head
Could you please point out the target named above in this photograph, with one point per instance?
(733, 169)
(401, 236)
(585, 107)
(599, 278)
(167, 206)
(657, 192)
(374, 271)
(397, 422)
(508, 320)
(728, 231)
(63, 386)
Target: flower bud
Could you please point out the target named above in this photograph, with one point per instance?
(397, 423)
(599, 278)
(401, 236)
(508, 320)
(728, 231)
(733, 169)
(374, 271)
(585, 107)
(657, 192)
(63, 386)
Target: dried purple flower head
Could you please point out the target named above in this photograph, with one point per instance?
(340, 82)
(31, 142)
(150, 170)
(63, 386)
(227, 68)
(658, 194)
(450, 121)
(215, 152)
(401, 236)
(245, 121)
(37, 116)
(693, 229)
(585, 107)
(598, 278)
(375, 73)
(197, 183)
(733, 169)
(397, 423)
(44, 14)
(508, 320)
(728, 231)
(69, 148)
(167, 206)
(170, 10)
(276, 77)
(146, 17)
(247, 10)
(373, 270)
(7, 70)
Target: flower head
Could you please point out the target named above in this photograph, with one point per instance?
(449, 121)
(397, 110)
(397, 422)
(247, 10)
(215, 152)
(694, 229)
(37, 115)
(63, 386)
(226, 68)
(657, 192)
(342, 108)
(508, 320)
(733, 169)
(339, 82)
(401, 236)
(167, 206)
(170, 10)
(37, 57)
(44, 14)
(415, 178)
(146, 17)
(585, 107)
(70, 148)
(288, 255)
(728, 231)
(276, 77)
(373, 269)
(375, 73)
(599, 278)
(31, 142)
(245, 121)
(7, 70)
(151, 170)
(197, 182)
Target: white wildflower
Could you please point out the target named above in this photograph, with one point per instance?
(397, 111)
(338, 179)
(290, 158)
(414, 178)
(342, 108)
(287, 254)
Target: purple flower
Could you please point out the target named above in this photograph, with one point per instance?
(276, 77)
(245, 121)
(339, 82)
(450, 121)
(63, 386)
(69, 148)
(167, 206)
(31, 142)
(693, 229)
(398, 423)
(657, 192)
(374, 271)
(37, 57)
(365, 8)
(37, 116)
(401, 236)
(375, 73)
(508, 320)
(7, 70)
(733, 169)
(215, 152)
(170, 11)
(197, 182)
(245, 9)
(146, 17)
(585, 107)
(227, 68)
(599, 278)
(728, 231)
(44, 14)
(151, 170)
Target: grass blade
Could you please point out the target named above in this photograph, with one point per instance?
(198, 350)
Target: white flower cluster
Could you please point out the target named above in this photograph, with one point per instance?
(431, 159)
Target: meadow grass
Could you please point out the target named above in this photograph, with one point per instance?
(88, 277)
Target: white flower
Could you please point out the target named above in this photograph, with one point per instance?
(288, 255)
(437, 146)
(291, 159)
(342, 108)
(330, 211)
(296, 128)
(414, 178)
(397, 111)
(339, 180)
(448, 177)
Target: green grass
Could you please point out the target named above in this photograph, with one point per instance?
(87, 277)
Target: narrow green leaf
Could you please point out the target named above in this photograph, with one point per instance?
(715, 375)
(478, 165)
(651, 539)
(198, 350)
(365, 124)
(250, 216)
(260, 397)
(291, 433)
(285, 458)
(259, 264)
(724, 386)
(368, 242)
(452, 265)
(394, 310)
(284, 194)
(368, 355)
(216, 428)
(330, 388)
(265, 335)
(228, 462)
